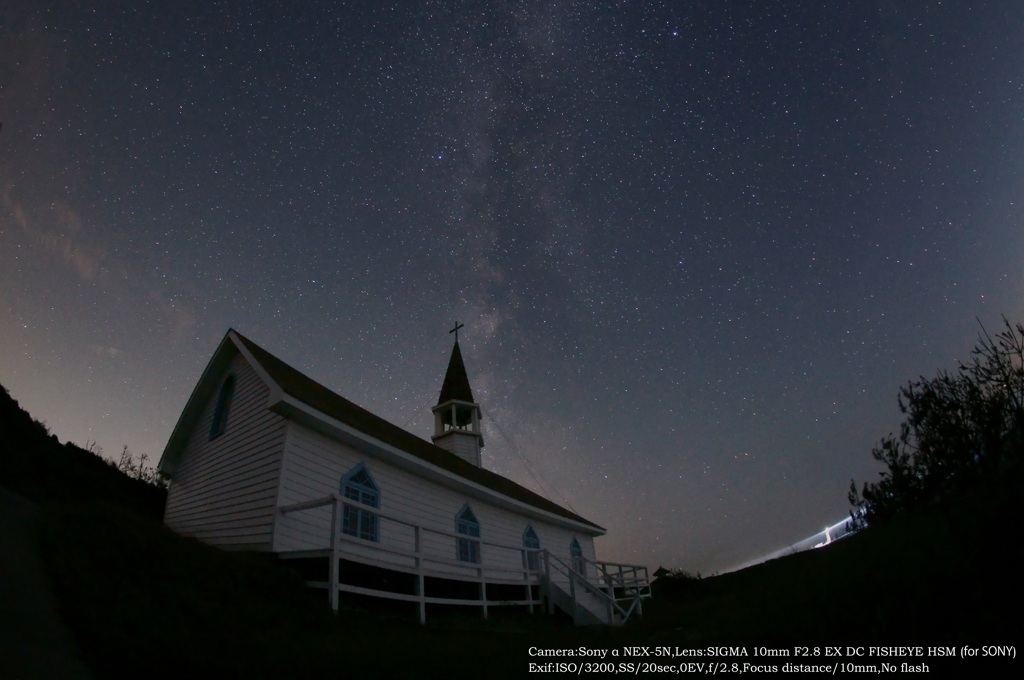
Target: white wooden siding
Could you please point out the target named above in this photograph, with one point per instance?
(314, 466)
(224, 489)
(465, 446)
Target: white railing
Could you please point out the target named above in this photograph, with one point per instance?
(411, 556)
(625, 582)
(620, 583)
(415, 549)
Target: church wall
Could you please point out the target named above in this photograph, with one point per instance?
(223, 490)
(313, 468)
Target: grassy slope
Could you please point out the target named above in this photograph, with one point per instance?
(944, 576)
(143, 600)
(37, 466)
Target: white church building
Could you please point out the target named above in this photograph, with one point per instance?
(264, 458)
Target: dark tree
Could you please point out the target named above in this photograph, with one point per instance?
(958, 429)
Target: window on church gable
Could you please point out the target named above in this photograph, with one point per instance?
(579, 563)
(362, 523)
(467, 545)
(531, 559)
(220, 411)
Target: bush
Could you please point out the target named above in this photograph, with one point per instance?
(958, 429)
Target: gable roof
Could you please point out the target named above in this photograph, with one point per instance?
(456, 381)
(292, 383)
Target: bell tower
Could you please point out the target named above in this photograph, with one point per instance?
(457, 415)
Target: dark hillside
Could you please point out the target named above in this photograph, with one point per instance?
(34, 464)
(145, 602)
(142, 601)
(945, 575)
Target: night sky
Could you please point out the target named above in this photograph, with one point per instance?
(697, 247)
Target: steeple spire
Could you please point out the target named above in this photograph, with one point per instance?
(457, 415)
(456, 381)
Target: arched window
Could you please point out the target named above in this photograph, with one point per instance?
(531, 560)
(358, 486)
(467, 545)
(220, 411)
(579, 564)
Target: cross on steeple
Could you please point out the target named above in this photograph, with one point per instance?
(456, 330)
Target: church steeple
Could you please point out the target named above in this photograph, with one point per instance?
(457, 415)
(456, 381)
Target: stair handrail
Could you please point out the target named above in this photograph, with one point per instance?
(576, 577)
(628, 578)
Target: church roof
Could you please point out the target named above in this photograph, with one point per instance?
(313, 394)
(456, 381)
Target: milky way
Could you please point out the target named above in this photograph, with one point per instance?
(697, 247)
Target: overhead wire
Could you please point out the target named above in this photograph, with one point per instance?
(535, 474)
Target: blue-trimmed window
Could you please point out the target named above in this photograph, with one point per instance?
(358, 486)
(579, 564)
(467, 545)
(220, 411)
(531, 543)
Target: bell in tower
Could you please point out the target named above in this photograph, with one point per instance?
(457, 415)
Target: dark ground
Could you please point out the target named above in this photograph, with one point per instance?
(35, 642)
(93, 585)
